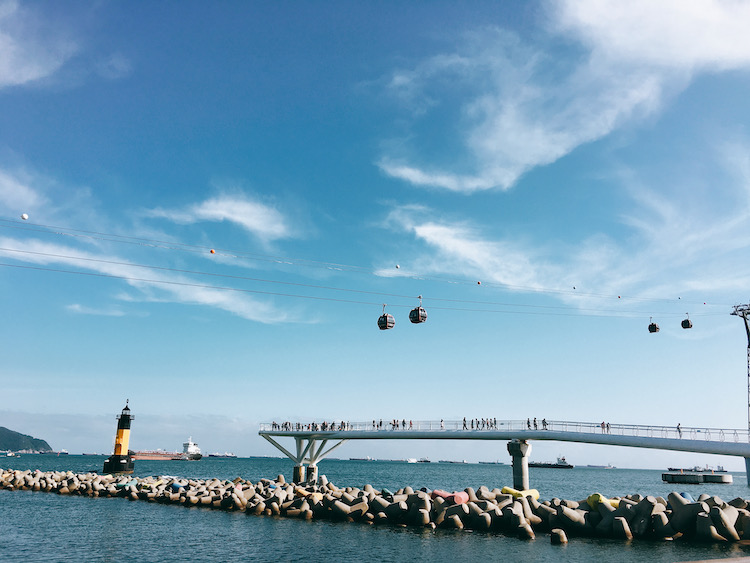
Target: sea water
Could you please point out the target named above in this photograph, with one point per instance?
(38, 526)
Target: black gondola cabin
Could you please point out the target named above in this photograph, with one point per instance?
(386, 321)
(417, 315)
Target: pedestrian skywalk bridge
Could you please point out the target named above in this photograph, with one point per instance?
(314, 440)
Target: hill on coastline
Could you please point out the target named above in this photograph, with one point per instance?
(15, 441)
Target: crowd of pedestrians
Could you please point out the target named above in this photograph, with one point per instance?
(403, 424)
(312, 426)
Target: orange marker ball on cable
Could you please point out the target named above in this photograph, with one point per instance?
(213, 251)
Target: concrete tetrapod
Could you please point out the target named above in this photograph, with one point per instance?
(523, 516)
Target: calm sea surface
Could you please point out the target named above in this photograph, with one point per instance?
(36, 526)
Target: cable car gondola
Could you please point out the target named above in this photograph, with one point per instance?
(652, 327)
(687, 323)
(386, 321)
(418, 314)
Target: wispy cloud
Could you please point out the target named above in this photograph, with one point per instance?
(31, 48)
(259, 219)
(520, 107)
(44, 199)
(459, 247)
(17, 193)
(151, 285)
(675, 245)
(114, 66)
(84, 310)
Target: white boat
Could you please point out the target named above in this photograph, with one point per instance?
(224, 455)
(411, 460)
(190, 451)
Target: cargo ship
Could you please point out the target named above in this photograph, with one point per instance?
(560, 464)
(190, 452)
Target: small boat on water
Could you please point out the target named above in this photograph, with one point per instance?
(560, 464)
(423, 460)
(411, 460)
(451, 461)
(368, 458)
(224, 455)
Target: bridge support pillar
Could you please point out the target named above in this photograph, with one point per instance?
(747, 468)
(298, 476)
(310, 449)
(519, 451)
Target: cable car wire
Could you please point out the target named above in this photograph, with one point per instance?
(599, 312)
(193, 248)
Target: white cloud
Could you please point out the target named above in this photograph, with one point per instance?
(153, 285)
(675, 245)
(460, 248)
(114, 66)
(84, 310)
(521, 106)
(263, 221)
(30, 48)
(17, 194)
(672, 34)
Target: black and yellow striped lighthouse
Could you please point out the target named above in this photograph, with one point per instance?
(121, 461)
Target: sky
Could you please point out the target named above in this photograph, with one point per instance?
(205, 207)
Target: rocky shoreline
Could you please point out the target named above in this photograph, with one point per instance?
(519, 513)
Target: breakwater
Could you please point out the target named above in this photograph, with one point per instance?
(518, 513)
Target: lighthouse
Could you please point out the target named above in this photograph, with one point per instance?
(121, 461)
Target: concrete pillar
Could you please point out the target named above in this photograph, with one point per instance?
(747, 468)
(519, 451)
(312, 474)
(299, 474)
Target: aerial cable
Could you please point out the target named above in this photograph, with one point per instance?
(328, 288)
(313, 297)
(171, 245)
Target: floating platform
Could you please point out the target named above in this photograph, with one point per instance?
(696, 478)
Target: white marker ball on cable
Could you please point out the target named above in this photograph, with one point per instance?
(397, 266)
(25, 216)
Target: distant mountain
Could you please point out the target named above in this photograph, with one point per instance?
(13, 441)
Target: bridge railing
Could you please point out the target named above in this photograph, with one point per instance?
(520, 426)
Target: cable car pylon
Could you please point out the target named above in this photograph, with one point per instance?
(743, 311)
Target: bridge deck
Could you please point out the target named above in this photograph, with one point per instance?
(689, 439)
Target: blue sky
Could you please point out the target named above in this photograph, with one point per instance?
(548, 176)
